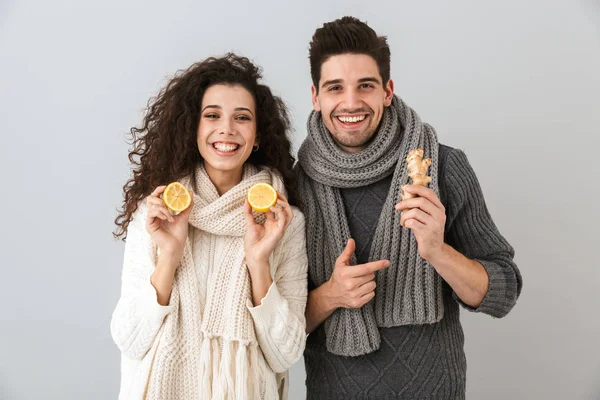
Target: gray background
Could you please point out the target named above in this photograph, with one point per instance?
(515, 84)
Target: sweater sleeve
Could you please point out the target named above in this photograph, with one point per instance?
(137, 317)
(279, 319)
(471, 231)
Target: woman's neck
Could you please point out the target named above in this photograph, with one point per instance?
(223, 180)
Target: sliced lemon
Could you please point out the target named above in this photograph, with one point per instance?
(262, 197)
(176, 197)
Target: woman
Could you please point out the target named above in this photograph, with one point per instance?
(212, 299)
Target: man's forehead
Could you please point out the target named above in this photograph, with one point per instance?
(350, 68)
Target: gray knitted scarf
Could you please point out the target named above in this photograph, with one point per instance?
(409, 291)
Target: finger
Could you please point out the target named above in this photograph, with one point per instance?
(287, 209)
(367, 297)
(416, 213)
(425, 192)
(346, 254)
(158, 191)
(271, 221)
(152, 200)
(280, 208)
(361, 280)
(282, 197)
(366, 288)
(420, 203)
(248, 216)
(160, 213)
(368, 268)
(154, 203)
(281, 216)
(415, 225)
(270, 214)
(153, 222)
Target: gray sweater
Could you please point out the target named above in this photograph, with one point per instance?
(419, 361)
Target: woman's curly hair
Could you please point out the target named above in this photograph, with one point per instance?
(164, 147)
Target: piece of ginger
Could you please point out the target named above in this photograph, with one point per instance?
(417, 170)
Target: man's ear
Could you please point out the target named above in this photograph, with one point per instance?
(389, 93)
(315, 99)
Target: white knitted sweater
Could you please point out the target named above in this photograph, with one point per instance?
(210, 342)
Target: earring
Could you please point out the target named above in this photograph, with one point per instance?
(255, 148)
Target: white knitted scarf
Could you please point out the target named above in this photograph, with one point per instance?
(193, 357)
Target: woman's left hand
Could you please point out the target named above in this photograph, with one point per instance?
(260, 240)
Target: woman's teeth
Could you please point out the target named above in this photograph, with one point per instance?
(226, 148)
(352, 119)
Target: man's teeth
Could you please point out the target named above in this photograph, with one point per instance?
(225, 147)
(352, 119)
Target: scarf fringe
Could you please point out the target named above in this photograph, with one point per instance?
(205, 368)
(241, 367)
(253, 375)
(225, 371)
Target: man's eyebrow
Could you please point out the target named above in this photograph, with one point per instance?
(369, 79)
(332, 82)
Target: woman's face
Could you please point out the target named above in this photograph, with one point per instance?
(227, 130)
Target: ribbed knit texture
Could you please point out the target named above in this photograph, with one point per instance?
(213, 343)
(409, 290)
(419, 361)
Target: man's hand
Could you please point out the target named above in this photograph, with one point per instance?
(352, 286)
(426, 217)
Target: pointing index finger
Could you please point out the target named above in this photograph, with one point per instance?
(370, 267)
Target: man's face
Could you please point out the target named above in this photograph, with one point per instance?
(351, 99)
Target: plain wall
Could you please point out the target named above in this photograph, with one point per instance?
(514, 84)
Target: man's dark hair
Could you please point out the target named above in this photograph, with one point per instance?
(343, 36)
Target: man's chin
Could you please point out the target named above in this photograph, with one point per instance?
(351, 146)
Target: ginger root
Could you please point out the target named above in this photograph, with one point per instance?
(417, 170)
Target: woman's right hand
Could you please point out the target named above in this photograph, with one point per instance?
(169, 232)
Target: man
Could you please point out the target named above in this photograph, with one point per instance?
(387, 275)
